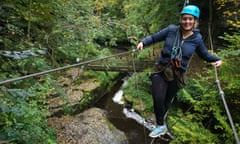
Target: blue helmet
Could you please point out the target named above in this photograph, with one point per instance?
(192, 10)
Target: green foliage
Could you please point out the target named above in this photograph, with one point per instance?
(24, 20)
(150, 16)
(137, 92)
(12, 68)
(230, 71)
(23, 25)
(187, 130)
(198, 117)
(206, 109)
(104, 80)
(230, 10)
(103, 77)
(86, 30)
(67, 30)
(23, 115)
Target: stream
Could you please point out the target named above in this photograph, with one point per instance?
(135, 132)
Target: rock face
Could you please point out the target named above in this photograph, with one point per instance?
(73, 93)
(89, 127)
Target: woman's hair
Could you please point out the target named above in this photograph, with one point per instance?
(196, 24)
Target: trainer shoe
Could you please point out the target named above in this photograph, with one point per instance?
(159, 130)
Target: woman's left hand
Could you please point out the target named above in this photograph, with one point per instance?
(217, 63)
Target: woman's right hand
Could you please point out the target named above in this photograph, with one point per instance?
(140, 46)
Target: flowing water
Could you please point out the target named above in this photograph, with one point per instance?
(127, 121)
(134, 129)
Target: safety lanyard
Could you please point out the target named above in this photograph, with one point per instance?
(176, 53)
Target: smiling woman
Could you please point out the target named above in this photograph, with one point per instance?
(189, 20)
(168, 75)
(187, 24)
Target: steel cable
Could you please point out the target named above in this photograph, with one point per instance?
(221, 92)
(62, 68)
(137, 88)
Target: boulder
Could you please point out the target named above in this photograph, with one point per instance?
(89, 127)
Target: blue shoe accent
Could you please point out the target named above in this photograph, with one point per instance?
(159, 130)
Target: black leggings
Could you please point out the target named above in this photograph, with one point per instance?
(163, 93)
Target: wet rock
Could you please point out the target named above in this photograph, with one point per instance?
(89, 127)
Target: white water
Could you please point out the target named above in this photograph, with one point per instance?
(118, 96)
(133, 115)
(130, 113)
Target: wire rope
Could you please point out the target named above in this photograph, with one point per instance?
(137, 88)
(62, 68)
(221, 92)
(186, 2)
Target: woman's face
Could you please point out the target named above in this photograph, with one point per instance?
(187, 22)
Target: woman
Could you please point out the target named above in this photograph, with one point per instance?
(180, 42)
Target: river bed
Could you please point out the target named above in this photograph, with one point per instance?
(135, 132)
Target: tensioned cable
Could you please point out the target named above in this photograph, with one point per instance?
(186, 3)
(62, 68)
(137, 88)
(218, 81)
